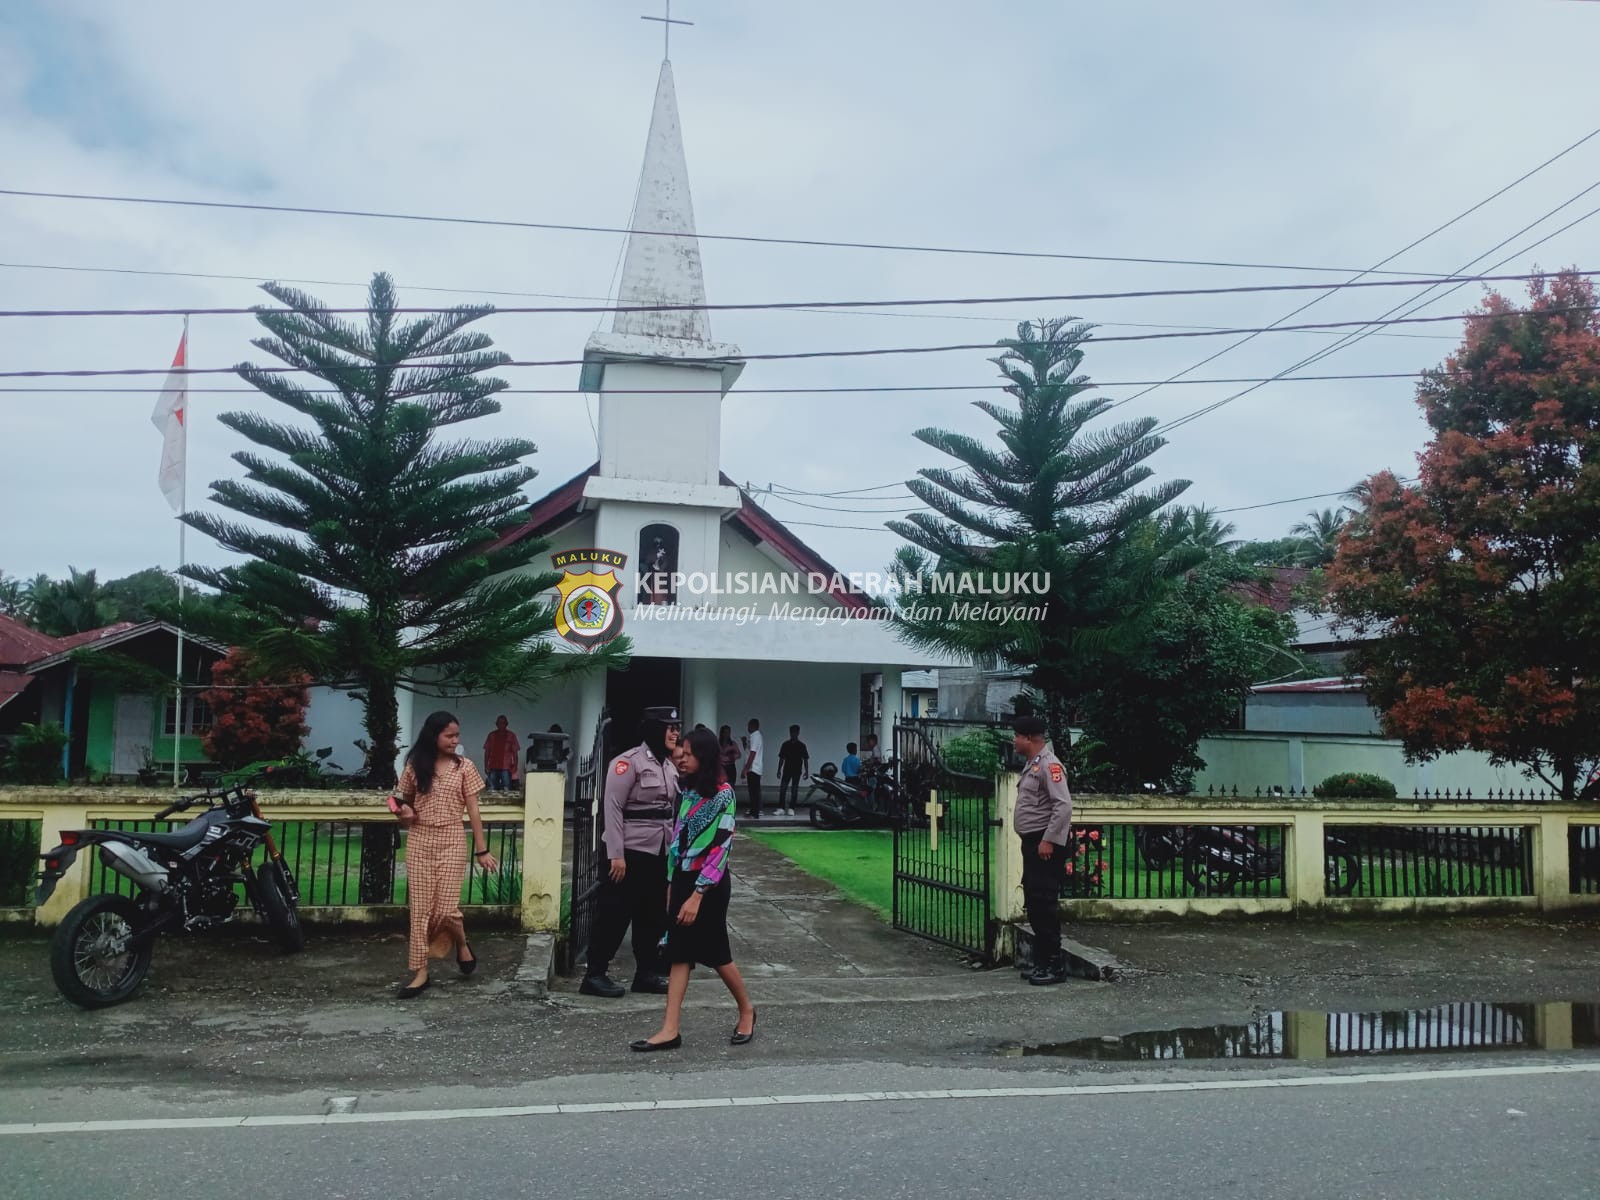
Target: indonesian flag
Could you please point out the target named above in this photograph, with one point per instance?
(170, 417)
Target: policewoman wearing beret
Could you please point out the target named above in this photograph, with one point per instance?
(640, 802)
(1043, 820)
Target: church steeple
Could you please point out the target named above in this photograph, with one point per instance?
(659, 269)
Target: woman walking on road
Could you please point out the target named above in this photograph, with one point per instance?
(434, 789)
(698, 886)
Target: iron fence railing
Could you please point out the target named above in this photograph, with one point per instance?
(1583, 859)
(19, 862)
(1416, 861)
(325, 858)
(1222, 791)
(1169, 862)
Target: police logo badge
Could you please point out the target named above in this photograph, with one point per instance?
(587, 612)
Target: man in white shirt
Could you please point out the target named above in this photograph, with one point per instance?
(754, 763)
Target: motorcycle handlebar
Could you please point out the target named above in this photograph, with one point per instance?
(183, 804)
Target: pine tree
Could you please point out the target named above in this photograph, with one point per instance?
(382, 567)
(1054, 498)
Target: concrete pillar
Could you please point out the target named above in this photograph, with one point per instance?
(541, 851)
(1305, 1035)
(700, 694)
(1305, 862)
(1552, 864)
(891, 710)
(1552, 1026)
(1005, 867)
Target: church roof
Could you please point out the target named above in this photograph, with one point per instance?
(563, 505)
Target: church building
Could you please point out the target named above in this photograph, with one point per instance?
(785, 640)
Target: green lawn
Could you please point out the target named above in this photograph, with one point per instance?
(857, 862)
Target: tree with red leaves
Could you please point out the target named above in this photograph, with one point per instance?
(253, 723)
(1479, 584)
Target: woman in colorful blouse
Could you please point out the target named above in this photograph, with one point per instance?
(697, 890)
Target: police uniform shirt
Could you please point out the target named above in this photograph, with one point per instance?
(638, 785)
(1044, 805)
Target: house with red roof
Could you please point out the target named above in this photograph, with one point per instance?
(98, 685)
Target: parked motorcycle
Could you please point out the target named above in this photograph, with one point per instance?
(871, 800)
(101, 951)
(1218, 858)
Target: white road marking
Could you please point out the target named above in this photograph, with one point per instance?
(1037, 1092)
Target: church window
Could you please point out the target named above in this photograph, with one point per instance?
(658, 561)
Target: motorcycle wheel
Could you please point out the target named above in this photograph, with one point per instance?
(1206, 878)
(90, 960)
(1343, 874)
(283, 919)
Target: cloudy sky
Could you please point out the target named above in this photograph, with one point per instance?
(1261, 132)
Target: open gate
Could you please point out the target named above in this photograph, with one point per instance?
(583, 882)
(942, 855)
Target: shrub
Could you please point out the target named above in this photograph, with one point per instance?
(977, 753)
(35, 755)
(19, 861)
(1353, 786)
(253, 723)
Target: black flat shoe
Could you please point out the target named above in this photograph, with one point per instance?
(601, 985)
(411, 993)
(744, 1039)
(646, 1046)
(469, 965)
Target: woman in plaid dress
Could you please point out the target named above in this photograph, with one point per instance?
(434, 789)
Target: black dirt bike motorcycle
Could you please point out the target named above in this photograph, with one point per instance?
(1217, 858)
(186, 883)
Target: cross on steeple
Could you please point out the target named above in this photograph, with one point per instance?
(667, 23)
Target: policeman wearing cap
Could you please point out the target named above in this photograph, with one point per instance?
(640, 803)
(1043, 820)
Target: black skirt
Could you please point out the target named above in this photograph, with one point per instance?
(706, 941)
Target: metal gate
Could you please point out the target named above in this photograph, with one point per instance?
(942, 858)
(584, 880)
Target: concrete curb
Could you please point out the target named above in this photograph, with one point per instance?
(538, 967)
(1083, 962)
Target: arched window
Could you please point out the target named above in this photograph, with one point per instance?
(658, 560)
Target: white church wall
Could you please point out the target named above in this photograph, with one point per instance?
(335, 721)
(739, 557)
(824, 699)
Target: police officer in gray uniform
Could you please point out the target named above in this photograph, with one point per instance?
(1043, 820)
(641, 800)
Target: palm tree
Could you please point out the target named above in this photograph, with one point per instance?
(14, 601)
(75, 604)
(1319, 534)
(1198, 526)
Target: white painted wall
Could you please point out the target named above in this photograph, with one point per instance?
(1251, 760)
(1310, 712)
(661, 422)
(823, 699)
(335, 721)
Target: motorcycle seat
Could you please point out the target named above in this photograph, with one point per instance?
(190, 836)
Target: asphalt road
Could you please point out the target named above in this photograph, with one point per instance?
(1456, 1130)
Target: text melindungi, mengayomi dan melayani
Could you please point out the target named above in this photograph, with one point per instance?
(901, 592)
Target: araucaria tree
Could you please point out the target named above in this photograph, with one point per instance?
(1055, 498)
(1477, 583)
(381, 565)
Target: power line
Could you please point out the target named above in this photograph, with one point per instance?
(559, 227)
(1354, 280)
(800, 355)
(1351, 339)
(354, 283)
(1432, 281)
(770, 391)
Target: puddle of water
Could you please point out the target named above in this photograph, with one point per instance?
(1456, 1028)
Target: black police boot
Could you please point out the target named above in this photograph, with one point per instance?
(601, 985)
(655, 985)
(1051, 973)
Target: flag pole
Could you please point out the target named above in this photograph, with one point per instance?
(183, 506)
